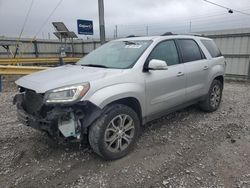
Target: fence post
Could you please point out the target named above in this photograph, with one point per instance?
(36, 48)
(1, 83)
(249, 69)
(61, 62)
(82, 48)
(73, 49)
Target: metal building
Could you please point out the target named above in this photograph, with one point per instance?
(235, 46)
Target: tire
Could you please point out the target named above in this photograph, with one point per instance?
(114, 133)
(213, 98)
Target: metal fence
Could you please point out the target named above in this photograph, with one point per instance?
(234, 44)
(44, 48)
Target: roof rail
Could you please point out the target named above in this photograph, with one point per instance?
(194, 34)
(130, 36)
(167, 33)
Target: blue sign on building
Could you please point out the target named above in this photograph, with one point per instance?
(85, 27)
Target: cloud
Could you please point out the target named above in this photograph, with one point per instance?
(131, 16)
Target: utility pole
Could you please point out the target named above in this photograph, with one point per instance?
(190, 27)
(116, 31)
(147, 30)
(101, 21)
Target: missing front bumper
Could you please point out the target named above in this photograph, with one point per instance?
(39, 124)
(59, 121)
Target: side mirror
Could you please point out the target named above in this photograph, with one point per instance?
(156, 64)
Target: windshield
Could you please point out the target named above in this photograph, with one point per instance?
(115, 54)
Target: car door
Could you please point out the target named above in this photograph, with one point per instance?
(196, 68)
(165, 88)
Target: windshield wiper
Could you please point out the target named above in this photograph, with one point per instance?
(94, 65)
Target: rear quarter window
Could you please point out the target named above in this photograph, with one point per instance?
(212, 48)
(190, 50)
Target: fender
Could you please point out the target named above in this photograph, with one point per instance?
(216, 70)
(109, 94)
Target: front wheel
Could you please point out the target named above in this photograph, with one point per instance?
(114, 133)
(213, 98)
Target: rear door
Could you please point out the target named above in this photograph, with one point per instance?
(165, 88)
(196, 68)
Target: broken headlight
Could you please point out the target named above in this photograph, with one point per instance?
(67, 94)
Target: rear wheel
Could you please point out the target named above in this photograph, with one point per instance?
(213, 98)
(113, 135)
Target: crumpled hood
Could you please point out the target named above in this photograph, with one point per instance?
(63, 76)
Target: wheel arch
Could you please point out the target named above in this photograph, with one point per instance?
(94, 111)
(220, 78)
(131, 102)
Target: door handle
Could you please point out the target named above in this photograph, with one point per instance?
(205, 67)
(180, 74)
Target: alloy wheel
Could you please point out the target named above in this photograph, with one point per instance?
(119, 133)
(215, 96)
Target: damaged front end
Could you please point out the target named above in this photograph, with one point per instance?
(68, 121)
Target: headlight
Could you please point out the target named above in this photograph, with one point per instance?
(67, 94)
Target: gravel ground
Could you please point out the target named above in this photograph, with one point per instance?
(188, 148)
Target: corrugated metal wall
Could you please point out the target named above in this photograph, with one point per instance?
(235, 46)
(47, 48)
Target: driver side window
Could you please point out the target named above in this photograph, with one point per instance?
(165, 51)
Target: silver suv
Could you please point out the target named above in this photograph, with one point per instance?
(109, 94)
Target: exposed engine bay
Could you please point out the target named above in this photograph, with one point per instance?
(59, 121)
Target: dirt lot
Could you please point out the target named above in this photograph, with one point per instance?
(184, 149)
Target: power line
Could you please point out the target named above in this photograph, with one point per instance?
(23, 26)
(230, 10)
(192, 18)
(181, 22)
(26, 18)
(221, 19)
(44, 23)
(183, 27)
(48, 18)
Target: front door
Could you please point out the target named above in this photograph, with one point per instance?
(165, 88)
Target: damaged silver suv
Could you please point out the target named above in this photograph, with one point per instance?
(110, 93)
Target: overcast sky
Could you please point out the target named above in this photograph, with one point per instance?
(131, 16)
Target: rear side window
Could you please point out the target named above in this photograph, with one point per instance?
(212, 48)
(165, 51)
(190, 50)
